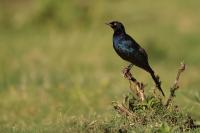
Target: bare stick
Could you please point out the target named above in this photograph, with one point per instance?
(121, 109)
(139, 86)
(175, 85)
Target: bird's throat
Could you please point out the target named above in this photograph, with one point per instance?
(119, 32)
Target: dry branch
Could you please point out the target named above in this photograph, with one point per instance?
(139, 87)
(121, 109)
(175, 85)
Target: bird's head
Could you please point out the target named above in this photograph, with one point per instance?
(116, 26)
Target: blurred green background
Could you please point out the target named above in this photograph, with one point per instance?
(57, 59)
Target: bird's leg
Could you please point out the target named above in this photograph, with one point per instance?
(126, 71)
(130, 66)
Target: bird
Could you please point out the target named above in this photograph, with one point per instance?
(129, 50)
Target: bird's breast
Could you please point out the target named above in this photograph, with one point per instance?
(123, 49)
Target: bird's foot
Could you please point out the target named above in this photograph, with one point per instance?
(126, 73)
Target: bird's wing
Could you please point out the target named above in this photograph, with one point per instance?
(131, 42)
(143, 52)
(139, 56)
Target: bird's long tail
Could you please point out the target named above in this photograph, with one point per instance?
(156, 80)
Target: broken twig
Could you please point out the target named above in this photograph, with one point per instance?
(175, 85)
(121, 109)
(139, 87)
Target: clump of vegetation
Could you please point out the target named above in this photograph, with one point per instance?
(152, 112)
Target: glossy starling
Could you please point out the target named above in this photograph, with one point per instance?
(128, 49)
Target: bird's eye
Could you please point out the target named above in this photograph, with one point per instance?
(115, 24)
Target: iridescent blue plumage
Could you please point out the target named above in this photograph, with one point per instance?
(123, 47)
(128, 49)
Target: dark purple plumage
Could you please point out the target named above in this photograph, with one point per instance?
(128, 49)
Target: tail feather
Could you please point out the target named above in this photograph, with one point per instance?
(156, 80)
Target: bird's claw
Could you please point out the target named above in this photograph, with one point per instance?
(126, 73)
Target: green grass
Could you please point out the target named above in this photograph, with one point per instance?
(58, 69)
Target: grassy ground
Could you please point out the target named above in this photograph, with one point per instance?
(58, 68)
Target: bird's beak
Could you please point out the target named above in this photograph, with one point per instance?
(108, 24)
